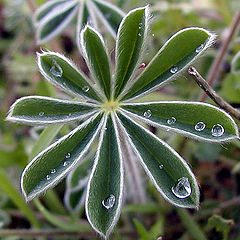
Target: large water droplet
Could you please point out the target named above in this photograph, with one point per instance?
(53, 171)
(174, 69)
(68, 155)
(41, 114)
(109, 202)
(199, 48)
(182, 188)
(85, 88)
(171, 120)
(161, 166)
(147, 114)
(48, 177)
(56, 70)
(217, 130)
(200, 126)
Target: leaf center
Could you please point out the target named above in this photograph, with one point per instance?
(110, 106)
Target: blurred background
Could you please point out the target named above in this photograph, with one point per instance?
(217, 167)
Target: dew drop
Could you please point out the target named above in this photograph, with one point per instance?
(139, 34)
(53, 171)
(200, 126)
(147, 114)
(109, 202)
(199, 48)
(48, 177)
(68, 155)
(85, 88)
(41, 114)
(217, 130)
(69, 114)
(65, 163)
(161, 166)
(153, 34)
(182, 188)
(171, 120)
(174, 69)
(56, 70)
(142, 65)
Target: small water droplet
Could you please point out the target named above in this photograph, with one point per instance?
(41, 114)
(65, 163)
(48, 177)
(153, 34)
(161, 166)
(68, 155)
(85, 88)
(182, 188)
(171, 120)
(139, 34)
(140, 24)
(200, 126)
(53, 171)
(56, 70)
(174, 69)
(147, 114)
(142, 65)
(200, 48)
(217, 130)
(69, 114)
(105, 128)
(109, 202)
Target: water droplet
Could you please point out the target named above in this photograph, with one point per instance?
(142, 65)
(65, 163)
(171, 120)
(69, 114)
(41, 114)
(105, 128)
(200, 48)
(140, 24)
(182, 189)
(174, 69)
(53, 171)
(200, 126)
(68, 155)
(85, 88)
(147, 114)
(56, 70)
(48, 177)
(153, 34)
(109, 202)
(161, 166)
(139, 34)
(217, 130)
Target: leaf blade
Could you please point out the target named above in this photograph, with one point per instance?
(175, 56)
(186, 116)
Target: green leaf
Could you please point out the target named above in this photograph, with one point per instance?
(96, 56)
(55, 22)
(235, 68)
(167, 170)
(36, 110)
(105, 187)
(175, 56)
(55, 162)
(192, 119)
(129, 46)
(141, 230)
(46, 9)
(109, 14)
(83, 17)
(59, 70)
(76, 184)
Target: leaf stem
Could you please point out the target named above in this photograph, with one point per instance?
(211, 93)
(215, 67)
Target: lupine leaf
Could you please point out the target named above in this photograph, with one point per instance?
(46, 9)
(76, 184)
(186, 118)
(59, 18)
(36, 110)
(66, 76)
(175, 56)
(83, 18)
(55, 162)
(129, 46)
(110, 15)
(162, 164)
(236, 63)
(97, 58)
(106, 181)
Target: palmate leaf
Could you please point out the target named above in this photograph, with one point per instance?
(96, 56)
(105, 187)
(36, 110)
(175, 56)
(61, 72)
(129, 46)
(55, 21)
(162, 164)
(55, 162)
(193, 119)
